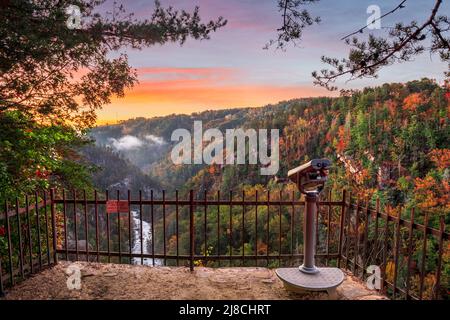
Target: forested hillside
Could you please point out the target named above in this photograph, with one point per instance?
(391, 142)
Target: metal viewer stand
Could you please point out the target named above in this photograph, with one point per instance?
(310, 179)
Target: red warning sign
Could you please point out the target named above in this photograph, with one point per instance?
(114, 206)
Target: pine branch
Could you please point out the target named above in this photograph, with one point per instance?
(400, 6)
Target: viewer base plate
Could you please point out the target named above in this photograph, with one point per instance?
(327, 279)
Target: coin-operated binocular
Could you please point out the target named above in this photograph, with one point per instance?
(310, 179)
(311, 176)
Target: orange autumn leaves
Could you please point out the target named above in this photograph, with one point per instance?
(343, 139)
(416, 100)
(413, 101)
(441, 158)
(433, 191)
(410, 104)
(432, 194)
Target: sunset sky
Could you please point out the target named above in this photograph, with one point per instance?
(232, 69)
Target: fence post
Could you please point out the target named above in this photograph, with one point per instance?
(191, 229)
(441, 252)
(10, 250)
(2, 291)
(341, 227)
(410, 252)
(52, 206)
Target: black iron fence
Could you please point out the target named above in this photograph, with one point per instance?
(236, 229)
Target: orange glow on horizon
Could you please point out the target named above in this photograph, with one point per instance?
(186, 90)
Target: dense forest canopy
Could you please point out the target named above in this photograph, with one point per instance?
(390, 141)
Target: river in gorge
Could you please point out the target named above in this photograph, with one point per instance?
(146, 240)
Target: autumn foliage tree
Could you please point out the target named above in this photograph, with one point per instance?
(53, 79)
(413, 101)
(432, 193)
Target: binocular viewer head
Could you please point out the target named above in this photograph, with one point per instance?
(311, 176)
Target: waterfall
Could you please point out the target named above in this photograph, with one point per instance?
(146, 240)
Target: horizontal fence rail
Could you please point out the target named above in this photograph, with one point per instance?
(222, 230)
(224, 224)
